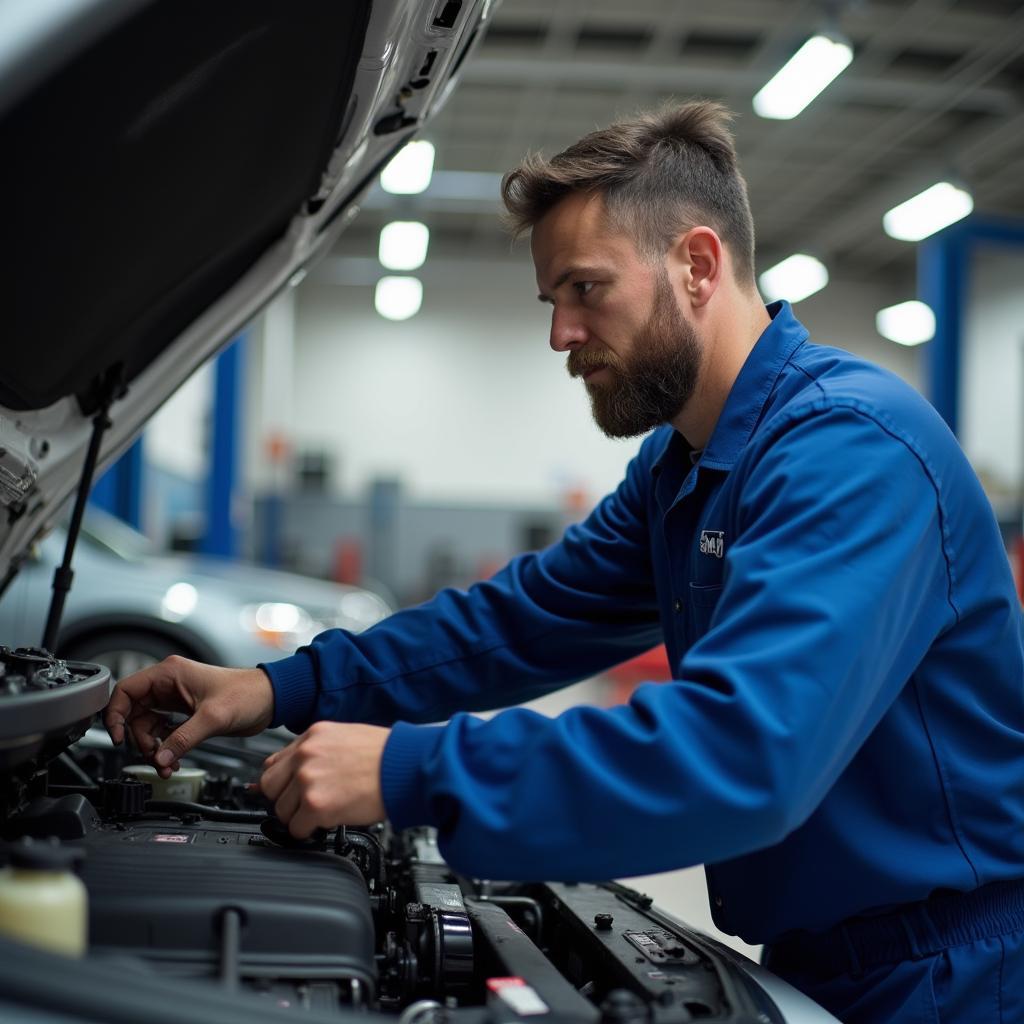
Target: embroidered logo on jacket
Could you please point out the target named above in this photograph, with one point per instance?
(712, 542)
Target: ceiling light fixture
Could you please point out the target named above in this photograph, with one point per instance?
(398, 298)
(794, 278)
(814, 66)
(932, 210)
(403, 244)
(906, 323)
(409, 170)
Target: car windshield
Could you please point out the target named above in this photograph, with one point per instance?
(113, 535)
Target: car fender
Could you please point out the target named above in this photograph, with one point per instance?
(187, 639)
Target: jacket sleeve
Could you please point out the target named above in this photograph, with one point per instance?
(545, 620)
(836, 584)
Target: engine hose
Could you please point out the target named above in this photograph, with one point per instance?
(209, 813)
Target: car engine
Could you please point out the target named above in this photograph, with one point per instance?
(193, 883)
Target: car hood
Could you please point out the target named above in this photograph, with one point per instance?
(169, 167)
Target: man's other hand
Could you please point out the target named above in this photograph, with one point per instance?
(329, 776)
(218, 701)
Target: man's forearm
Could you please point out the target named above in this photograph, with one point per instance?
(506, 640)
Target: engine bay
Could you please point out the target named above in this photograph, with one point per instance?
(194, 882)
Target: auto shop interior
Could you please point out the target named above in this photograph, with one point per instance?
(382, 416)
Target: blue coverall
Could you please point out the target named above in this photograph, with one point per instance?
(844, 732)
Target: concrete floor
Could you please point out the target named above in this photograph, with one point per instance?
(682, 892)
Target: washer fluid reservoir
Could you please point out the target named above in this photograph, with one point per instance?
(42, 901)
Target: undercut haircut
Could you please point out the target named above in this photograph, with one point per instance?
(659, 174)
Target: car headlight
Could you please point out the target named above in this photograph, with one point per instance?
(281, 624)
(179, 601)
(360, 610)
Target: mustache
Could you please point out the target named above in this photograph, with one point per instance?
(581, 361)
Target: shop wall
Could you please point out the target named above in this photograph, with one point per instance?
(467, 402)
(176, 445)
(992, 373)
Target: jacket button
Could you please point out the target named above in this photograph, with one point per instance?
(677, 606)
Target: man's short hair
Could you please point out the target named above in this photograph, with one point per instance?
(659, 173)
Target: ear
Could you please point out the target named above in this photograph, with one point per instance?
(699, 259)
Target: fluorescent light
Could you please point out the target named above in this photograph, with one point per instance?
(403, 244)
(805, 75)
(934, 209)
(794, 278)
(907, 323)
(398, 298)
(409, 170)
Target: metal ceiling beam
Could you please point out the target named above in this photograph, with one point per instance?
(532, 107)
(680, 77)
(438, 271)
(539, 83)
(865, 218)
(448, 191)
(911, 24)
(982, 60)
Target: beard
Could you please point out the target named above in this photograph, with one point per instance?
(652, 384)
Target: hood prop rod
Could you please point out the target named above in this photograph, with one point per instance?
(63, 575)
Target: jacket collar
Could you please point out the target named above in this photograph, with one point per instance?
(751, 390)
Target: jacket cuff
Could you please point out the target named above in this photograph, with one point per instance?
(294, 683)
(407, 750)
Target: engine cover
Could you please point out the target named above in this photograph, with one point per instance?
(161, 890)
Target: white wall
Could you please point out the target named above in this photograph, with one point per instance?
(992, 369)
(176, 446)
(843, 315)
(177, 436)
(465, 401)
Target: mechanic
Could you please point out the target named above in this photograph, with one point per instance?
(842, 744)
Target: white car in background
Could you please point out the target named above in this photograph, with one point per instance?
(131, 606)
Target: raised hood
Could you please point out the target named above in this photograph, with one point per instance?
(168, 167)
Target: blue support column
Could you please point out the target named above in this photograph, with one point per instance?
(943, 269)
(221, 537)
(119, 490)
(273, 530)
(942, 263)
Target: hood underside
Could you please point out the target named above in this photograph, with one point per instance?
(169, 166)
(152, 171)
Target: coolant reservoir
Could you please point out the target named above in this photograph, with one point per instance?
(185, 784)
(42, 901)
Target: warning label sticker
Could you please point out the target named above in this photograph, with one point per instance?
(517, 996)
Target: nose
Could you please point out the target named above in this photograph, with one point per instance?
(567, 330)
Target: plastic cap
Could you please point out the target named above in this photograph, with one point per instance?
(43, 854)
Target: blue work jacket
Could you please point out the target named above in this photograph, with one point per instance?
(845, 726)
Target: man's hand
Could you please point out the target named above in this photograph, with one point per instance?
(218, 701)
(329, 776)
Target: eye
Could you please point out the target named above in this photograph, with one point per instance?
(583, 287)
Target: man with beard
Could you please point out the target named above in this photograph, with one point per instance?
(842, 744)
